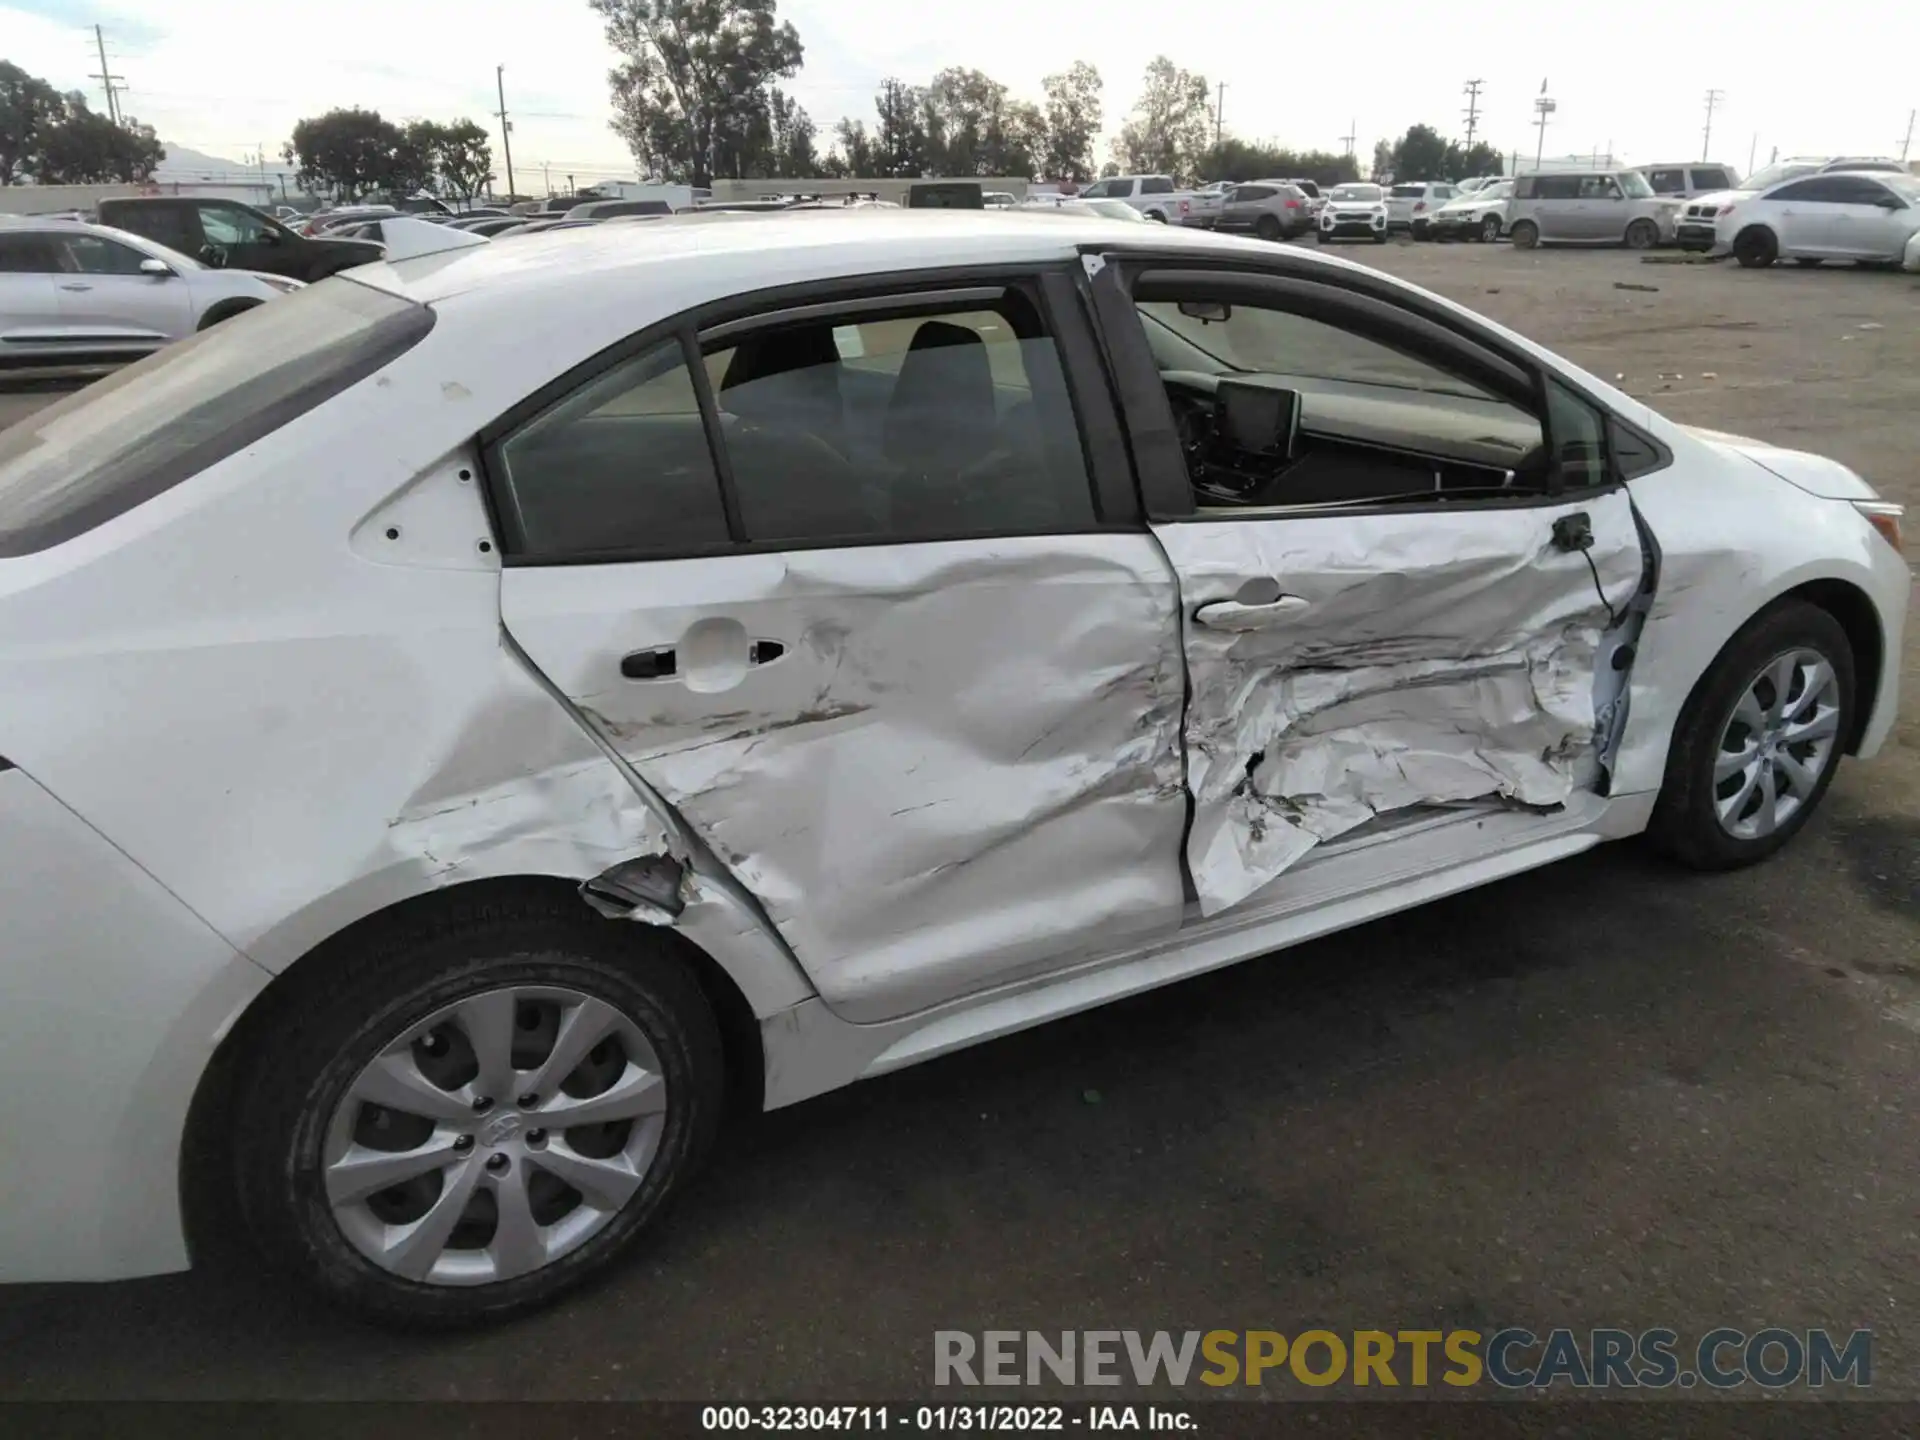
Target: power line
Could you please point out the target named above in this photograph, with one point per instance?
(1473, 110)
(1714, 97)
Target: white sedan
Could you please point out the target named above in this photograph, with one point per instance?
(463, 721)
(72, 292)
(1833, 215)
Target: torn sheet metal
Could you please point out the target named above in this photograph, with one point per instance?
(937, 766)
(1438, 658)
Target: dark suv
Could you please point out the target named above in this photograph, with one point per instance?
(226, 233)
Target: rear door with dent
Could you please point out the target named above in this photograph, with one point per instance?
(1416, 598)
(856, 579)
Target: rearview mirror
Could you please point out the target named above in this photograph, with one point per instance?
(153, 266)
(1209, 311)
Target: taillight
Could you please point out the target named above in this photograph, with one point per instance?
(1419, 205)
(1185, 207)
(1293, 204)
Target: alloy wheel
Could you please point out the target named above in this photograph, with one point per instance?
(1776, 744)
(495, 1136)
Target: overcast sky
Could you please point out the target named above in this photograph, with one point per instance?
(226, 78)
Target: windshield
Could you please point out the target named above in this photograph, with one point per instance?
(1907, 187)
(1635, 185)
(1368, 193)
(1498, 190)
(1409, 191)
(120, 442)
(1275, 342)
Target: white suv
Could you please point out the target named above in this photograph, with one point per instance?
(1412, 206)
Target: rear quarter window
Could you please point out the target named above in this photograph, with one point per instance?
(119, 443)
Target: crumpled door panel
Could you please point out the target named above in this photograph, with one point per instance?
(960, 765)
(1439, 657)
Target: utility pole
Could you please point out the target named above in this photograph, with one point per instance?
(572, 189)
(1219, 114)
(1351, 135)
(1473, 110)
(1543, 106)
(506, 125)
(1751, 149)
(1714, 97)
(1907, 143)
(546, 178)
(106, 77)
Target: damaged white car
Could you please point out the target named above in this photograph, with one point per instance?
(466, 721)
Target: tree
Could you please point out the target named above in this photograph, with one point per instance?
(1168, 128)
(1420, 155)
(1382, 159)
(855, 148)
(692, 73)
(1237, 160)
(1479, 158)
(29, 106)
(900, 136)
(463, 158)
(84, 147)
(791, 152)
(1073, 115)
(410, 170)
(347, 152)
(967, 114)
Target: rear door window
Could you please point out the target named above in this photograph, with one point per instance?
(120, 442)
(1156, 185)
(25, 254)
(1669, 180)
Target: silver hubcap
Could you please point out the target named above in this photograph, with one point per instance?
(495, 1136)
(1776, 744)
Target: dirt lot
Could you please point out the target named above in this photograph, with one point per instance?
(1602, 1094)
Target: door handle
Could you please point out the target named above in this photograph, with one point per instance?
(663, 661)
(1234, 615)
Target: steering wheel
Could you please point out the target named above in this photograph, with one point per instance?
(214, 255)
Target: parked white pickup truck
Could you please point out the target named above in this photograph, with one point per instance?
(1154, 196)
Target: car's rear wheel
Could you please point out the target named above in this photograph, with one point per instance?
(1490, 229)
(1755, 248)
(1267, 227)
(1526, 235)
(1642, 235)
(1759, 740)
(466, 1117)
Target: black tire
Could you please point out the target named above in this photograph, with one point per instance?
(1642, 235)
(1267, 227)
(1380, 236)
(1755, 248)
(1490, 229)
(1156, 217)
(226, 310)
(1684, 823)
(333, 1018)
(1525, 235)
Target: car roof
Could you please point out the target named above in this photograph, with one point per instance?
(583, 269)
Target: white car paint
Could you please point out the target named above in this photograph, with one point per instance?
(1831, 215)
(87, 296)
(221, 765)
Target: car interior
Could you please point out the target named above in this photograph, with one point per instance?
(1277, 410)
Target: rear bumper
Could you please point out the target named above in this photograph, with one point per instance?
(113, 997)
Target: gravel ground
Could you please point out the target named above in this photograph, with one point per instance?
(1606, 1093)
